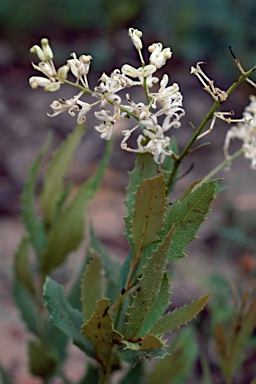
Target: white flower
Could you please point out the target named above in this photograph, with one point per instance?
(80, 67)
(245, 131)
(159, 55)
(38, 81)
(106, 128)
(136, 35)
(146, 71)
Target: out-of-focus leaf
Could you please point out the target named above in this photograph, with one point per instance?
(26, 305)
(144, 168)
(92, 375)
(68, 231)
(222, 346)
(92, 287)
(6, 379)
(42, 361)
(134, 375)
(22, 268)
(149, 288)
(181, 316)
(64, 317)
(56, 171)
(33, 224)
(99, 331)
(149, 208)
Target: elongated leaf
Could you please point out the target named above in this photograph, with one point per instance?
(67, 232)
(158, 308)
(42, 361)
(26, 305)
(149, 287)
(149, 210)
(144, 168)
(181, 316)
(22, 268)
(187, 215)
(33, 224)
(150, 347)
(99, 330)
(222, 346)
(57, 169)
(91, 290)
(66, 318)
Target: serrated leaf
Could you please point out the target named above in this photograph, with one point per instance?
(42, 361)
(149, 287)
(67, 232)
(150, 347)
(181, 316)
(64, 316)
(26, 305)
(158, 308)
(56, 171)
(187, 215)
(144, 168)
(33, 225)
(22, 268)
(91, 286)
(149, 208)
(99, 331)
(168, 166)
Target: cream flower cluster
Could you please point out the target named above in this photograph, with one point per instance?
(161, 110)
(246, 132)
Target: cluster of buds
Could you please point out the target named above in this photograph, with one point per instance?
(161, 111)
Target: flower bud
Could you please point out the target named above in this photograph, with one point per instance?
(148, 70)
(47, 49)
(130, 71)
(38, 81)
(52, 87)
(36, 50)
(136, 35)
(63, 72)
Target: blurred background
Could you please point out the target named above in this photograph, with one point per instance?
(196, 30)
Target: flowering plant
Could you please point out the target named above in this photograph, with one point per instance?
(120, 313)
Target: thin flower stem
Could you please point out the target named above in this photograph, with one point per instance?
(223, 165)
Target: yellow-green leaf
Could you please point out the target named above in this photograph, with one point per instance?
(99, 331)
(149, 210)
(22, 267)
(181, 316)
(91, 287)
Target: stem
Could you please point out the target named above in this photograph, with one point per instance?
(223, 165)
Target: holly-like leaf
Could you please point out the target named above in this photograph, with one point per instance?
(144, 168)
(149, 208)
(149, 347)
(42, 361)
(91, 288)
(99, 331)
(158, 308)
(56, 171)
(33, 224)
(149, 286)
(22, 267)
(187, 215)
(68, 319)
(181, 316)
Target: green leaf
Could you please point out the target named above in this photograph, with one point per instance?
(42, 361)
(68, 231)
(134, 375)
(144, 168)
(92, 375)
(33, 225)
(158, 308)
(22, 268)
(91, 289)
(149, 287)
(65, 317)
(56, 171)
(6, 379)
(181, 316)
(149, 208)
(168, 166)
(26, 305)
(187, 215)
(149, 347)
(99, 330)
